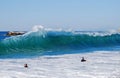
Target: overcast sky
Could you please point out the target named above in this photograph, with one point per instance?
(82, 15)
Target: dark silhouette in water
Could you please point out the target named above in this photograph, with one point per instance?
(83, 60)
(14, 33)
(25, 65)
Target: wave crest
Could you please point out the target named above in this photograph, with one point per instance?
(41, 39)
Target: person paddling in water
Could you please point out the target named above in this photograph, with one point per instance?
(83, 60)
(25, 65)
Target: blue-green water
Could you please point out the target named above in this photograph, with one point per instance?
(56, 42)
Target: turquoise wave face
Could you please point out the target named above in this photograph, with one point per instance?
(41, 41)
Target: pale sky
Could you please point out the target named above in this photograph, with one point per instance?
(83, 15)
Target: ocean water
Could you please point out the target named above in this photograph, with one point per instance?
(57, 53)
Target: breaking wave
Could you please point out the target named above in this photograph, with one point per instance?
(41, 40)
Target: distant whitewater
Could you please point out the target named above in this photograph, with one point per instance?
(42, 41)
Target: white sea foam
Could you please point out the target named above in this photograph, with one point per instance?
(98, 65)
(39, 30)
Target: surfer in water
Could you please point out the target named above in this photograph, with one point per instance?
(25, 65)
(83, 60)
